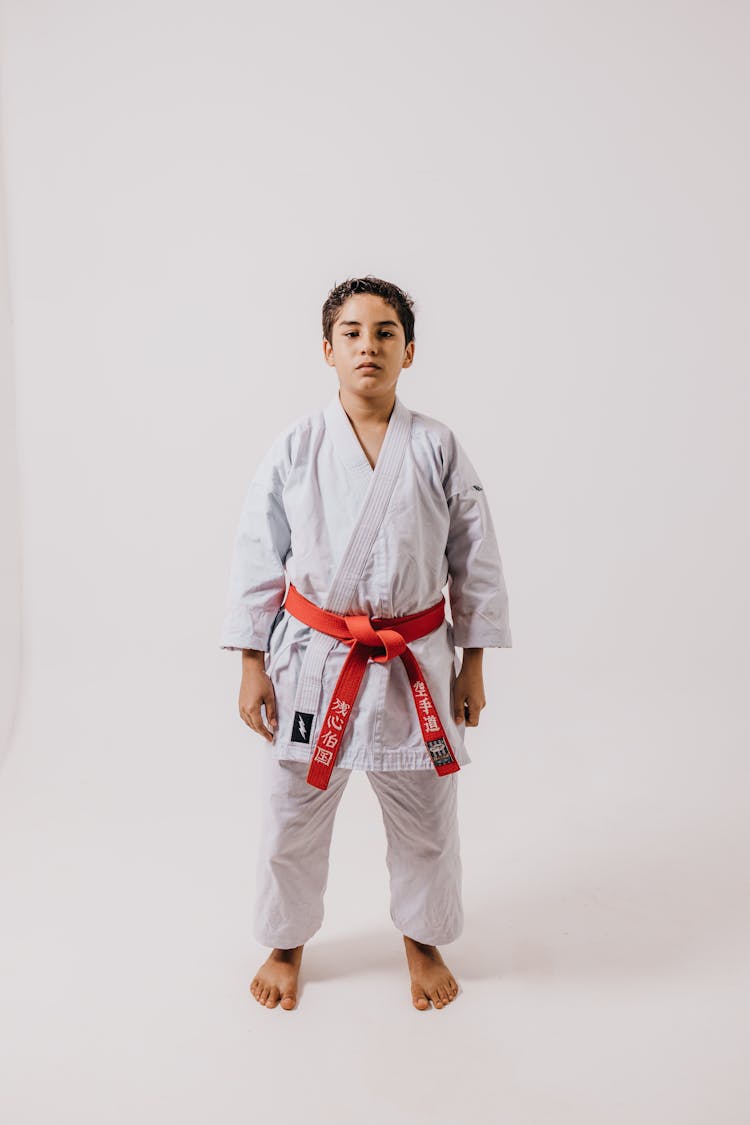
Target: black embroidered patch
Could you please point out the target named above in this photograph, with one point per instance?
(438, 751)
(301, 726)
(478, 487)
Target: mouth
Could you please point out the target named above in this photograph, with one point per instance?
(368, 367)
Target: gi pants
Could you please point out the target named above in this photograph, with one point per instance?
(420, 816)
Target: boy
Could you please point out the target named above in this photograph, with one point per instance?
(368, 508)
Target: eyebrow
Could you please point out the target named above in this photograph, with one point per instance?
(358, 323)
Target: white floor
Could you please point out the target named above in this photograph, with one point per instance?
(603, 967)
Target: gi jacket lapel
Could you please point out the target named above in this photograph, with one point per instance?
(346, 442)
(380, 485)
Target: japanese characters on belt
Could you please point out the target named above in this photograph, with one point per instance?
(319, 522)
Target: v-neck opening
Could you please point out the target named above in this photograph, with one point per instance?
(372, 468)
(353, 453)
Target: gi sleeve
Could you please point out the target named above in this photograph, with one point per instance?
(476, 583)
(257, 579)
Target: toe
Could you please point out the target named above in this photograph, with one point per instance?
(273, 997)
(420, 1000)
(263, 993)
(288, 1000)
(435, 997)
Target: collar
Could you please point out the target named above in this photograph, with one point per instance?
(345, 439)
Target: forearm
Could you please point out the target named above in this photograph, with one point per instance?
(252, 659)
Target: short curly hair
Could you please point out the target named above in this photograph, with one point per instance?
(401, 302)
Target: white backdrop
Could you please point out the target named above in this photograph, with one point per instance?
(563, 189)
(10, 515)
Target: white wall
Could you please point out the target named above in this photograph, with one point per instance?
(563, 188)
(10, 515)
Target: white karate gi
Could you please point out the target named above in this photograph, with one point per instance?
(419, 811)
(295, 524)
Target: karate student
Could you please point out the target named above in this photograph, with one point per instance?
(356, 518)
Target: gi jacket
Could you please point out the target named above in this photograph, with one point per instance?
(296, 521)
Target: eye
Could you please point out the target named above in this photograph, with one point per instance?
(383, 332)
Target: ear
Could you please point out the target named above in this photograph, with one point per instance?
(328, 353)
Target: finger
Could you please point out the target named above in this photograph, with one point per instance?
(248, 716)
(269, 700)
(267, 725)
(478, 703)
(259, 726)
(472, 718)
(458, 708)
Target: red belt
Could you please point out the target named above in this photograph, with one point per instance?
(387, 637)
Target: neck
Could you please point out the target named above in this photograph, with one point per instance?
(368, 411)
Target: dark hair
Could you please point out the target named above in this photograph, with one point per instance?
(401, 302)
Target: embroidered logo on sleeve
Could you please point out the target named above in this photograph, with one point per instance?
(301, 726)
(478, 487)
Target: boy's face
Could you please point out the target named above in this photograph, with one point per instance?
(368, 331)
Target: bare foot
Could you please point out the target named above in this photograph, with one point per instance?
(431, 979)
(276, 979)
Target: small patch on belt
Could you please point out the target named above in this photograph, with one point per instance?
(438, 751)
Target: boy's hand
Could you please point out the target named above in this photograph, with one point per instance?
(256, 689)
(468, 697)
